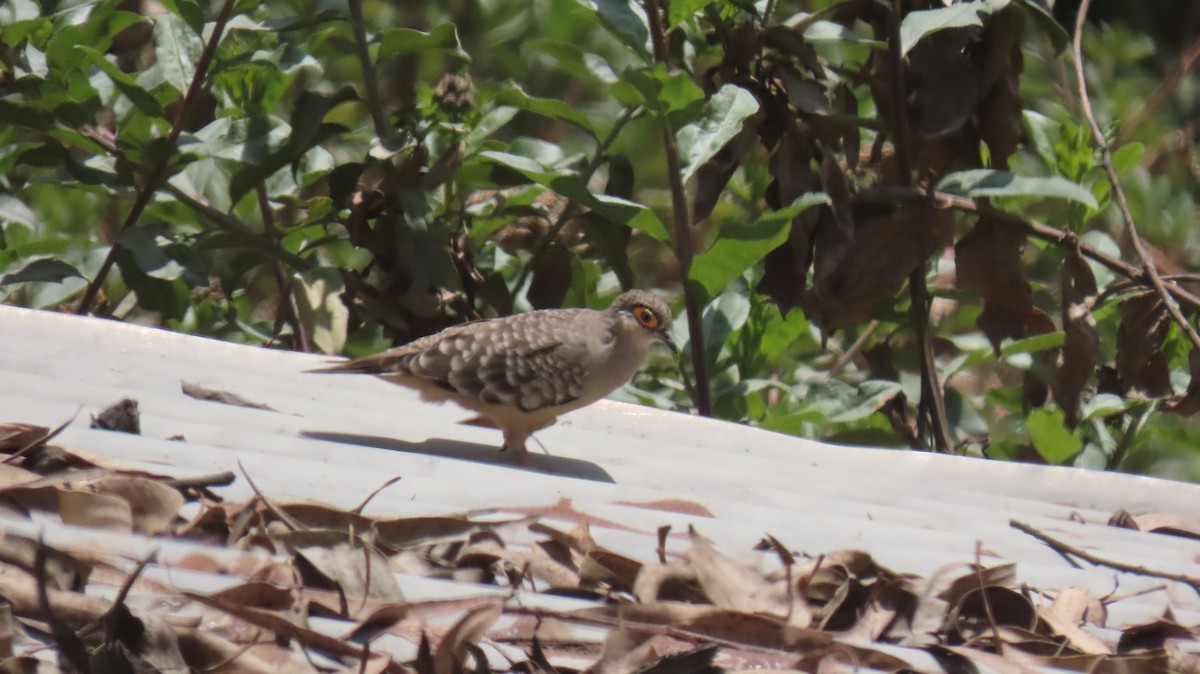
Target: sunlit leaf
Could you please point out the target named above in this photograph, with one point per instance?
(740, 246)
(443, 37)
(1053, 441)
(552, 108)
(993, 183)
(918, 24)
(719, 121)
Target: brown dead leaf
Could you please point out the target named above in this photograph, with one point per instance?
(1082, 342)
(1066, 615)
(357, 570)
(1141, 366)
(153, 505)
(1161, 523)
(453, 648)
(988, 261)
(735, 586)
(83, 508)
(17, 436)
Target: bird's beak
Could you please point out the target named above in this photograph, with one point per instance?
(665, 338)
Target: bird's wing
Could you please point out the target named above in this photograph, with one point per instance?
(531, 360)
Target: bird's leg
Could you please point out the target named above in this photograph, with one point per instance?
(516, 442)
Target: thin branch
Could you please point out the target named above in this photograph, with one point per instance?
(1118, 193)
(287, 311)
(364, 59)
(932, 420)
(146, 193)
(683, 229)
(1068, 549)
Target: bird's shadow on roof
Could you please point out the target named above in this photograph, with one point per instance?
(472, 451)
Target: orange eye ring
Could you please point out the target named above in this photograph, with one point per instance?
(646, 318)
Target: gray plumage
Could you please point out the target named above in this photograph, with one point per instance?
(522, 372)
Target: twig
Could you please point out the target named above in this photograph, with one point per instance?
(853, 350)
(987, 603)
(222, 479)
(683, 228)
(357, 510)
(146, 194)
(368, 68)
(288, 311)
(932, 420)
(1067, 549)
(1118, 193)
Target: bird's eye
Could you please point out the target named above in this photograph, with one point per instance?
(645, 318)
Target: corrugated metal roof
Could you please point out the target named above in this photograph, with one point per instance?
(336, 438)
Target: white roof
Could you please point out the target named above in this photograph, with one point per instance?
(336, 438)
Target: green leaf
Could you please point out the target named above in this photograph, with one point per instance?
(663, 92)
(1051, 438)
(831, 31)
(625, 19)
(189, 11)
(741, 246)
(551, 108)
(141, 98)
(1045, 18)
(44, 270)
(1127, 156)
(678, 10)
(917, 25)
(719, 121)
(442, 38)
(13, 209)
(574, 188)
(318, 294)
(178, 48)
(992, 183)
(1034, 344)
(722, 318)
(159, 256)
(573, 60)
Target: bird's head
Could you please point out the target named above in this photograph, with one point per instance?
(644, 316)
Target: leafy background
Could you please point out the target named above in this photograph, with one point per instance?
(880, 225)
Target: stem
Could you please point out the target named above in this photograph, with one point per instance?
(364, 59)
(1119, 194)
(146, 193)
(683, 229)
(287, 311)
(931, 419)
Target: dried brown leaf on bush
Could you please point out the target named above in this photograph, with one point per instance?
(785, 269)
(999, 113)
(1142, 367)
(856, 272)
(1081, 345)
(988, 261)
